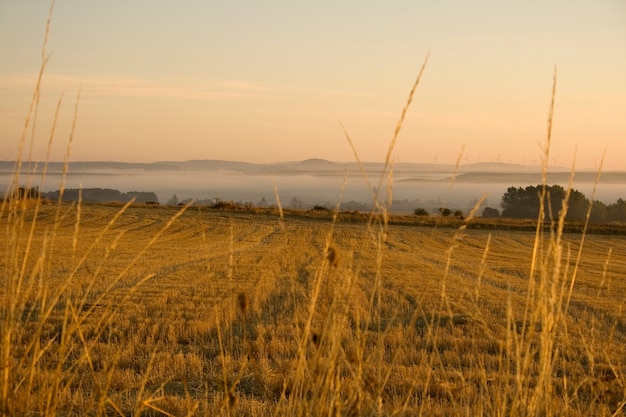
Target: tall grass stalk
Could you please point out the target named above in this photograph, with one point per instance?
(312, 318)
(37, 297)
(15, 225)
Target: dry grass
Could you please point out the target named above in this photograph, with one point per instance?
(141, 310)
(437, 335)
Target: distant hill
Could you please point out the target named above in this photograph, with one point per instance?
(478, 172)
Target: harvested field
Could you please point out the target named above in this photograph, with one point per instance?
(231, 313)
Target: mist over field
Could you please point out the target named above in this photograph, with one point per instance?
(303, 184)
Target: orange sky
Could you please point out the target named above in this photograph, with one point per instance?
(272, 81)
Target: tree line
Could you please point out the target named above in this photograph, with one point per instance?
(524, 203)
(102, 195)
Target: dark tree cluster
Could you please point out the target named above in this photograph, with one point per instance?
(441, 211)
(602, 213)
(20, 193)
(524, 203)
(103, 195)
(491, 213)
(446, 212)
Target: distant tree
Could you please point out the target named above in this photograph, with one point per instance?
(554, 201)
(525, 202)
(90, 195)
(444, 212)
(319, 207)
(24, 193)
(420, 212)
(459, 214)
(139, 196)
(599, 212)
(617, 211)
(490, 213)
(102, 195)
(520, 202)
(578, 206)
(173, 201)
(295, 203)
(28, 192)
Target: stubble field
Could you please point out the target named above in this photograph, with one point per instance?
(119, 312)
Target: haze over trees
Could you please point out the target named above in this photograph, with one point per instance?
(516, 203)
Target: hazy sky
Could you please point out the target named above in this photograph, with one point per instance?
(268, 81)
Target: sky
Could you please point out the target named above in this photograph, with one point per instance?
(271, 81)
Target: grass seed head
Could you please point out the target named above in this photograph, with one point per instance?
(242, 301)
(332, 256)
(315, 338)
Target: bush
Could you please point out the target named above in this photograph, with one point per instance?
(232, 205)
(444, 212)
(420, 212)
(490, 213)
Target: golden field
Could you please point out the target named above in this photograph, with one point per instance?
(111, 310)
(139, 310)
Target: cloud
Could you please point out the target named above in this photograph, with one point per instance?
(184, 89)
(134, 87)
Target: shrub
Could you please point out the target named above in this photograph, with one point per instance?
(444, 212)
(490, 213)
